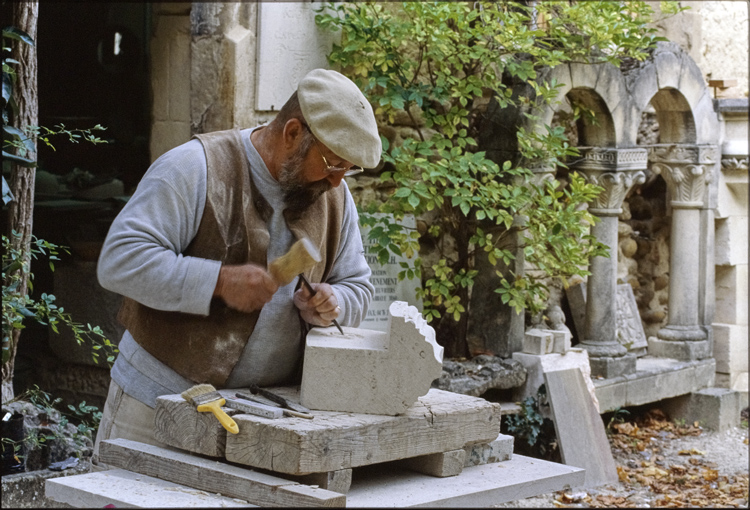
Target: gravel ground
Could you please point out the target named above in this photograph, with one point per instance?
(661, 464)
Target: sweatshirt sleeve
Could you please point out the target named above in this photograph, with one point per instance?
(350, 275)
(142, 254)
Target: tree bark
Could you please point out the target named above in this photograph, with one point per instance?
(21, 210)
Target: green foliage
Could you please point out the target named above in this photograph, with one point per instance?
(618, 416)
(439, 64)
(528, 423)
(18, 306)
(86, 416)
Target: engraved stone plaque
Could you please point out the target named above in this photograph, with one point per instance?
(387, 286)
(290, 45)
(630, 332)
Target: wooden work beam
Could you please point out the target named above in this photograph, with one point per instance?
(213, 476)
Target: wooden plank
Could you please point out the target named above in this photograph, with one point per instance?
(125, 489)
(213, 476)
(437, 464)
(438, 422)
(580, 431)
(178, 424)
(337, 481)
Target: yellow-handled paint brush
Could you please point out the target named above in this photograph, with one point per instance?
(206, 399)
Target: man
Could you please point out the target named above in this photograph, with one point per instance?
(190, 252)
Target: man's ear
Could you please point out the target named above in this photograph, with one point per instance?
(292, 132)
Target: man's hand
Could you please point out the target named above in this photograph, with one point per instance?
(245, 287)
(320, 309)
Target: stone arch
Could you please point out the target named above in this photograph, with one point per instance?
(676, 121)
(598, 87)
(601, 131)
(672, 82)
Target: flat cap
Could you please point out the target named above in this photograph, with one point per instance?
(340, 116)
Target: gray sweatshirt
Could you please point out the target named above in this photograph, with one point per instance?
(142, 259)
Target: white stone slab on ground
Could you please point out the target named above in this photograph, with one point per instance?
(477, 486)
(373, 486)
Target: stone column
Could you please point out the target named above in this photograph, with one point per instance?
(686, 170)
(615, 170)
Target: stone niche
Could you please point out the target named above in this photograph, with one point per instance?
(368, 371)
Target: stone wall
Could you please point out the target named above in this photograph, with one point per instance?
(731, 253)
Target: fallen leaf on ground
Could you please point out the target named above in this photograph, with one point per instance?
(710, 474)
(691, 451)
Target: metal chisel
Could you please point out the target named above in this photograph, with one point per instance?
(312, 293)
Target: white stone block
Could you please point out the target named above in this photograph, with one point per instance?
(537, 341)
(730, 348)
(368, 371)
(561, 340)
(730, 248)
(740, 383)
(732, 193)
(732, 294)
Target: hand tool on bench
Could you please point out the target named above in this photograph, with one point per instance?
(206, 399)
(254, 408)
(290, 408)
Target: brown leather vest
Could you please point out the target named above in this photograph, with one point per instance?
(234, 230)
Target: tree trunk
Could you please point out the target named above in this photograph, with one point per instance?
(21, 210)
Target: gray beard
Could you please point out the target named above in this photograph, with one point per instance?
(299, 195)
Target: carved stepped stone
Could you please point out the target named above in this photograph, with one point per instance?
(372, 372)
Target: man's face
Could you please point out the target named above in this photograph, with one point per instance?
(300, 192)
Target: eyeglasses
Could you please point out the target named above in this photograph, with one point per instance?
(348, 172)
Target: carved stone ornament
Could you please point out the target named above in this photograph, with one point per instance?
(734, 164)
(616, 185)
(686, 182)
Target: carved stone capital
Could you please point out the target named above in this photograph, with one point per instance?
(616, 185)
(686, 182)
(541, 171)
(686, 169)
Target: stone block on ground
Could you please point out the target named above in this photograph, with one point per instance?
(714, 408)
(372, 372)
(499, 450)
(437, 464)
